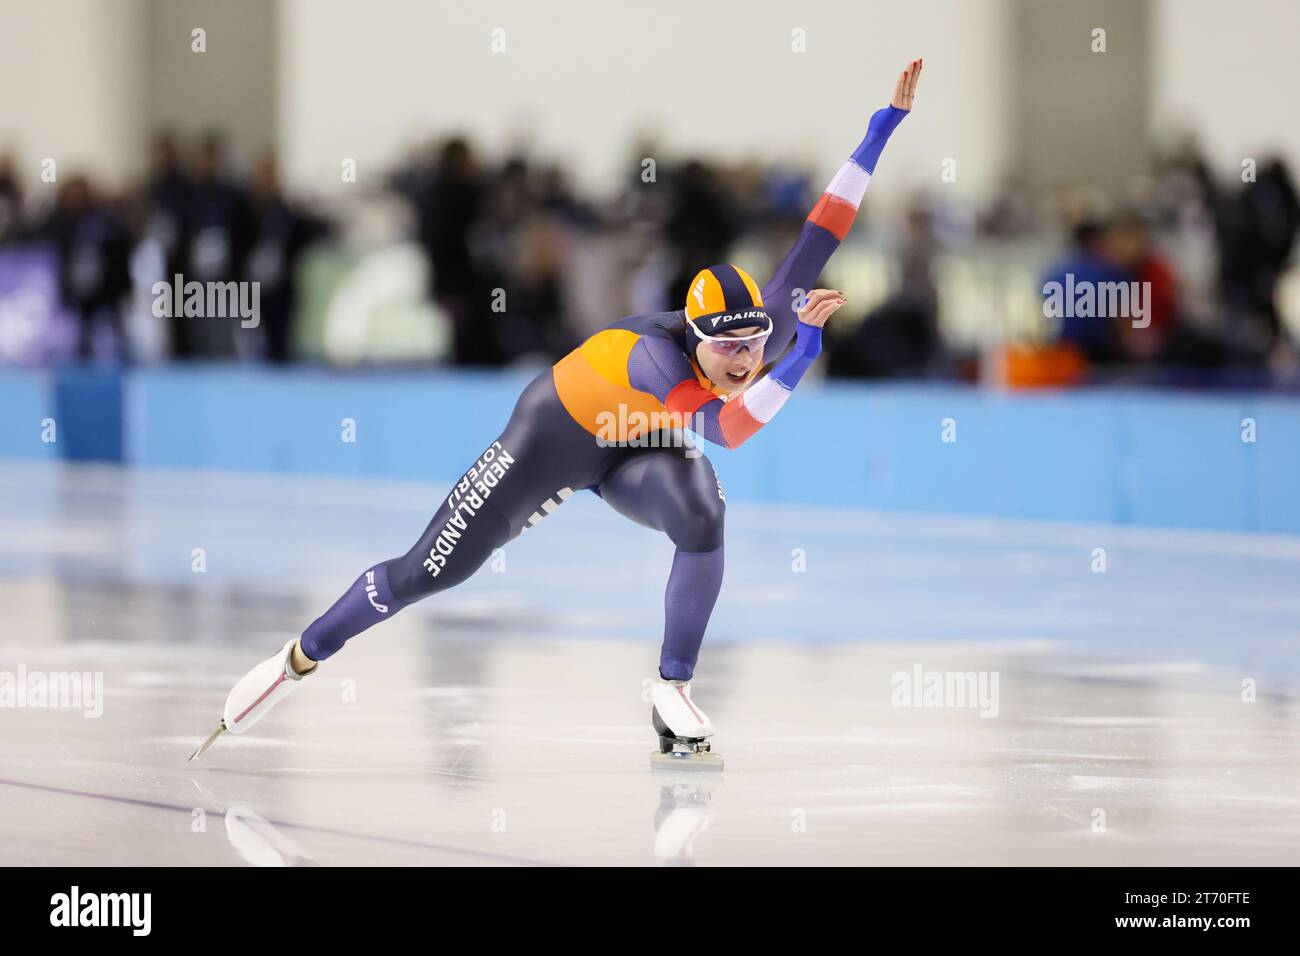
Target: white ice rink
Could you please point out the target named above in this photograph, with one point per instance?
(504, 723)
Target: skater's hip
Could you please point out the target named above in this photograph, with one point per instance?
(553, 447)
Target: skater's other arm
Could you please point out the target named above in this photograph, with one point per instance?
(666, 373)
(832, 217)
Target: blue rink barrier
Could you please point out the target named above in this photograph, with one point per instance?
(73, 413)
(1113, 456)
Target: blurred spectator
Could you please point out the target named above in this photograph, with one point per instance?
(1095, 257)
(10, 197)
(170, 194)
(701, 225)
(1011, 210)
(1183, 199)
(219, 235)
(1130, 246)
(533, 327)
(1257, 228)
(901, 335)
(1166, 338)
(279, 233)
(94, 252)
(556, 199)
(448, 212)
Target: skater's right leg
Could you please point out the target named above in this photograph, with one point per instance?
(524, 475)
(536, 463)
(495, 496)
(476, 526)
(466, 534)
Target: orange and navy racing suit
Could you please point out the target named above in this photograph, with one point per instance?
(606, 418)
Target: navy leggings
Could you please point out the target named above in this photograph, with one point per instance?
(540, 459)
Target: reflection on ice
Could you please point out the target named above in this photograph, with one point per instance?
(260, 843)
(684, 812)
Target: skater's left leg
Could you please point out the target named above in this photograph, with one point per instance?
(676, 491)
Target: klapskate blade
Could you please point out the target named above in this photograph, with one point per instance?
(685, 761)
(210, 741)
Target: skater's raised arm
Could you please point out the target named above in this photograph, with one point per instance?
(832, 217)
(668, 375)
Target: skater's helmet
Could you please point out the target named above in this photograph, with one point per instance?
(722, 299)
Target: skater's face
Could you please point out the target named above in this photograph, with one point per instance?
(731, 359)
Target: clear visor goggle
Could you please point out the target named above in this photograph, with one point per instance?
(733, 344)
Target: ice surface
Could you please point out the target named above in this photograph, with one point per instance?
(504, 722)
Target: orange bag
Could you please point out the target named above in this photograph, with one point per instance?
(1042, 366)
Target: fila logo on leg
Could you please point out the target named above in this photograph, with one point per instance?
(371, 591)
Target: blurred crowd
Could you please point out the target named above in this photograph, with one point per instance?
(501, 240)
(1210, 256)
(190, 217)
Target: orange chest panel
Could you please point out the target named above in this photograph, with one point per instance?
(592, 383)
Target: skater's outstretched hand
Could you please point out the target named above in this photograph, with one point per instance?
(820, 305)
(905, 88)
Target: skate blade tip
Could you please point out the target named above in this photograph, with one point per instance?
(212, 738)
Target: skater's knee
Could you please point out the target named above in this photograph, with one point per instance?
(696, 522)
(447, 555)
(407, 578)
(418, 575)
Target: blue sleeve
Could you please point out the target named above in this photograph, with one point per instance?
(807, 346)
(802, 266)
(881, 125)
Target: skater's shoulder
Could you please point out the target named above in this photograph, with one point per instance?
(654, 338)
(668, 325)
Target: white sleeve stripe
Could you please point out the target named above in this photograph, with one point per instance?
(850, 184)
(764, 398)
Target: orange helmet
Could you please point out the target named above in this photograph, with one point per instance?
(722, 298)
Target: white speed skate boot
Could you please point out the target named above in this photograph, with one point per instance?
(682, 727)
(256, 693)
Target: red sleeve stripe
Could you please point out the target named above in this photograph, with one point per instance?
(686, 398)
(737, 424)
(834, 215)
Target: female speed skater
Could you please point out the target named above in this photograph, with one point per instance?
(607, 418)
